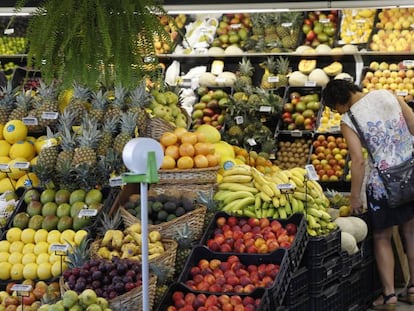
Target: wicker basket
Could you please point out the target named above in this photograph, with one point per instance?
(189, 176)
(165, 259)
(190, 190)
(130, 301)
(158, 126)
(168, 229)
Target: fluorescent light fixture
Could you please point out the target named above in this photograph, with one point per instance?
(371, 4)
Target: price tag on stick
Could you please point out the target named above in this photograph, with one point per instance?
(311, 172)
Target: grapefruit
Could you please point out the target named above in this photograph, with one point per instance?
(211, 134)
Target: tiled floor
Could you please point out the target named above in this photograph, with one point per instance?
(403, 306)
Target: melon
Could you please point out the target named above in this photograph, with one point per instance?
(207, 79)
(306, 65)
(226, 79)
(210, 132)
(297, 78)
(319, 76)
(353, 225)
(348, 243)
(323, 49)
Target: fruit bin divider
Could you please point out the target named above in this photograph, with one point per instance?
(297, 248)
(323, 246)
(167, 301)
(280, 284)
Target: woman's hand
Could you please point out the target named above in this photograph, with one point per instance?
(356, 205)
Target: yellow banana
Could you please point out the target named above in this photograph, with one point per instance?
(238, 204)
(257, 201)
(277, 180)
(314, 212)
(275, 189)
(298, 181)
(237, 195)
(288, 208)
(276, 202)
(237, 187)
(266, 188)
(299, 171)
(283, 176)
(325, 215)
(265, 197)
(237, 178)
(312, 223)
(301, 207)
(282, 200)
(238, 170)
(303, 196)
(117, 239)
(311, 232)
(222, 194)
(276, 213)
(295, 205)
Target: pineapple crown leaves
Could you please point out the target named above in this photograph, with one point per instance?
(78, 254)
(184, 237)
(282, 65)
(7, 94)
(245, 67)
(109, 164)
(111, 124)
(120, 95)
(128, 122)
(85, 176)
(269, 64)
(269, 98)
(80, 92)
(66, 119)
(139, 96)
(99, 100)
(108, 222)
(164, 273)
(23, 99)
(46, 91)
(90, 134)
(207, 198)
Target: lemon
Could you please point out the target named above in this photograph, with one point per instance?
(28, 248)
(28, 235)
(28, 258)
(4, 257)
(79, 236)
(57, 268)
(5, 270)
(41, 248)
(28, 180)
(41, 258)
(53, 258)
(16, 246)
(4, 148)
(15, 258)
(4, 246)
(53, 237)
(16, 271)
(13, 234)
(68, 235)
(41, 236)
(7, 184)
(14, 131)
(22, 149)
(16, 173)
(44, 271)
(30, 271)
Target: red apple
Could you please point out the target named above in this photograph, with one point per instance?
(291, 228)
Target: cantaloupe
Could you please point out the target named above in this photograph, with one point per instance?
(353, 225)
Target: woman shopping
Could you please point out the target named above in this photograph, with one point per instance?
(387, 126)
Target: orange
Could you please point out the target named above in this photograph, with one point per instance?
(186, 149)
(185, 162)
(168, 162)
(200, 161)
(202, 148)
(168, 139)
(201, 137)
(172, 151)
(189, 137)
(212, 160)
(179, 131)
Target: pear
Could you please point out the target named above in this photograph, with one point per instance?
(76, 307)
(88, 297)
(103, 303)
(94, 307)
(70, 298)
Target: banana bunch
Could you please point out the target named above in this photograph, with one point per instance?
(247, 192)
(127, 243)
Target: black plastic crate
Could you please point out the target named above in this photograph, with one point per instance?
(301, 303)
(329, 298)
(297, 248)
(323, 246)
(176, 287)
(352, 290)
(298, 285)
(279, 257)
(350, 262)
(330, 270)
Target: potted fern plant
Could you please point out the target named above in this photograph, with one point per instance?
(94, 41)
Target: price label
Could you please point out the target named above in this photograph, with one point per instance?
(324, 20)
(408, 62)
(21, 165)
(287, 24)
(59, 248)
(116, 181)
(335, 128)
(310, 83)
(273, 79)
(4, 167)
(401, 93)
(272, 156)
(235, 26)
(311, 172)
(149, 59)
(265, 109)
(30, 121)
(285, 187)
(239, 119)
(296, 133)
(50, 115)
(88, 212)
(21, 287)
(220, 80)
(9, 31)
(251, 142)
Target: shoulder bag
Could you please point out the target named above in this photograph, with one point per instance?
(398, 180)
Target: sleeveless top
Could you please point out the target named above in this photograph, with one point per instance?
(380, 118)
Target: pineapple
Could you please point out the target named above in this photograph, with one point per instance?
(184, 241)
(78, 254)
(269, 66)
(68, 144)
(128, 124)
(118, 104)
(84, 176)
(48, 154)
(109, 129)
(99, 102)
(288, 29)
(246, 71)
(44, 173)
(79, 102)
(257, 25)
(65, 176)
(109, 165)
(109, 222)
(23, 106)
(140, 99)
(164, 275)
(7, 101)
(46, 102)
(88, 140)
(282, 67)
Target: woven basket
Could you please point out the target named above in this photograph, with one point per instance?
(130, 301)
(190, 190)
(168, 229)
(189, 176)
(165, 259)
(158, 126)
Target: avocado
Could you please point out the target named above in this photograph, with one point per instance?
(50, 222)
(170, 206)
(179, 211)
(64, 223)
(188, 204)
(171, 217)
(157, 206)
(129, 205)
(21, 220)
(162, 215)
(162, 198)
(81, 222)
(35, 222)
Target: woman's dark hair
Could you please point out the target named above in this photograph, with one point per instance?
(338, 91)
